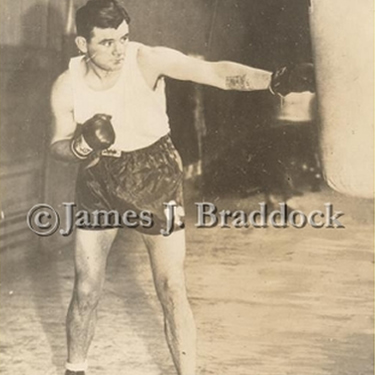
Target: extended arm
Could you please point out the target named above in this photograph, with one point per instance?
(224, 74)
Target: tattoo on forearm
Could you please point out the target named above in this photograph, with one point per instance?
(240, 82)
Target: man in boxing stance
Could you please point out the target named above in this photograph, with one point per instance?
(110, 115)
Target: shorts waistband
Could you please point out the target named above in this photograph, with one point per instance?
(160, 143)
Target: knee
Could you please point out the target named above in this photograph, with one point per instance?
(171, 290)
(87, 295)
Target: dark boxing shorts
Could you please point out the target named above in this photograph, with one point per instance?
(142, 181)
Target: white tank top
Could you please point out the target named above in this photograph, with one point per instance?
(138, 113)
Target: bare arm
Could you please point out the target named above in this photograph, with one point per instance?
(224, 74)
(63, 125)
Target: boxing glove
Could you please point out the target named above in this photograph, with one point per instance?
(293, 78)
(96, 134)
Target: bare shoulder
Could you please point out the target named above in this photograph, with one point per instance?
(162, 61)
(157, 55)
(147, 57)
(150, 63)
(63, 82)
(62, 91)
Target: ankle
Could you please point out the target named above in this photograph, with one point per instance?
(76, 368)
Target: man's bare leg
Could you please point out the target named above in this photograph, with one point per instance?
(91, 252)
(167, 255)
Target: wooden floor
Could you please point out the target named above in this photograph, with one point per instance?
(266, 301)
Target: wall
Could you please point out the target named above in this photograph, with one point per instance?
(30, 44)
(264, 34)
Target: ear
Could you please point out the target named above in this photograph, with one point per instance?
(81, 43)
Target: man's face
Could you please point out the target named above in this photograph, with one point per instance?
(107, 47)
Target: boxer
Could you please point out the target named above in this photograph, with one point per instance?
(110, 107)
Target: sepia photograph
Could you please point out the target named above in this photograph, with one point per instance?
(187, 187)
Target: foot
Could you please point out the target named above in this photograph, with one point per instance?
(68, 372)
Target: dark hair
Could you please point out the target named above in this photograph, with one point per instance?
(100, 13)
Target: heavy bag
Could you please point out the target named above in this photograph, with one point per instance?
(342, 40)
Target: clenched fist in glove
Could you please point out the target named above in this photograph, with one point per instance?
(96, 134)
(293, 78)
